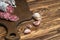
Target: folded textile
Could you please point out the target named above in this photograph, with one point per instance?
(3, 6)
(11, 2)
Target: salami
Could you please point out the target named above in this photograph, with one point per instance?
(1, 15)
(6, 7)
(7, 11)
(13, 18)
(8, 16)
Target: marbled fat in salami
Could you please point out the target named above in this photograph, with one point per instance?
(8, 16)
(13, 18)
(9, 9)
(1, 14)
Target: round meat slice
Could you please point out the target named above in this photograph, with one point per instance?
(13, 18)
(10, 9)
(6, 16)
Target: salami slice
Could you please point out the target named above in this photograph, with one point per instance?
(8, 16)
(10, 9)
(13, 18)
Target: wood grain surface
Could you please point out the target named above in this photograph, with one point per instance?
(49, 29)
(50, 24)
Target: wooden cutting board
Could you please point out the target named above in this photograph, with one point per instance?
(23, 12)
(50, 24)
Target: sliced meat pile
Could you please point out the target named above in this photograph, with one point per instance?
(8, 14)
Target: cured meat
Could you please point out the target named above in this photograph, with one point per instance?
(1, 15)
(13, 18)
(9, 9)
(6, 7)
(6, 12)
(8, 16)
(27, 31)
(36, 23)
(37, 17)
